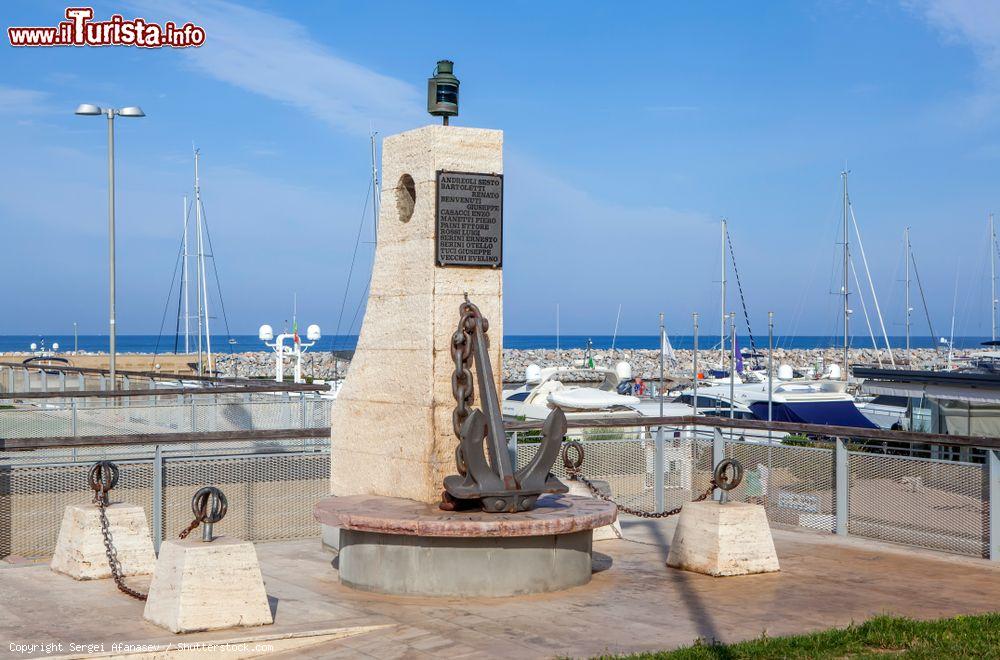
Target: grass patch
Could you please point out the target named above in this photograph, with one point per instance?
(960, 637)
(797, 440)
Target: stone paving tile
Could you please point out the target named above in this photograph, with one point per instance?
(636, 604)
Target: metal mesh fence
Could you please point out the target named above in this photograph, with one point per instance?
(33, 499)
(194, 416)
(795, 484)
(271, 497)
(271, 487)
(626, 459)
(921, 502)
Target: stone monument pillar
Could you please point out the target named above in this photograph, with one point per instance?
(392, 421)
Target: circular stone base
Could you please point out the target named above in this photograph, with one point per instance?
(395, 546)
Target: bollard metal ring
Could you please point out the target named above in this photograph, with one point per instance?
(575, 464)
(721, 477)
(103, 476)
(209, 505)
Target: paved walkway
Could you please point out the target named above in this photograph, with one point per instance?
(634, 603)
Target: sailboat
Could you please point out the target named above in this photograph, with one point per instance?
(201, 320)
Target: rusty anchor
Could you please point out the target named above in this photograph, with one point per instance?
(486, 478)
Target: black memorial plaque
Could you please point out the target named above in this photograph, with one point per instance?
(469, 219)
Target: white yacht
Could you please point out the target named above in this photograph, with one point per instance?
(823, 401)
(544, 390)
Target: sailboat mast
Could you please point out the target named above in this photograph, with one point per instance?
(722, 310)
(201, 265)
(993, 280)
(198, 267)
(906, 258)
(184, 283)
(847, 257)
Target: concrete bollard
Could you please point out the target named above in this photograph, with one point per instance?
(207, 584)
(200, 585)
(723, 539)
(80, 551)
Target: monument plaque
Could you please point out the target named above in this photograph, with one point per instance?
(469, 228)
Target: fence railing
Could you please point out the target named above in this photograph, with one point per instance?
(272, 478)
(182, 415)
(844, 484)
(275, 476)
(34, 382)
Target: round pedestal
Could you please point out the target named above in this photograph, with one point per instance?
(396, 546)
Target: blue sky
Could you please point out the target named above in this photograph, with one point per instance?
(630, 130)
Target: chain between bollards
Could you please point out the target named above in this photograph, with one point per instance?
(209, 506)
(103, 476)
(720, 480)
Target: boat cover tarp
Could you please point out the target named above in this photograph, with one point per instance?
(828, 413)
(589, 398)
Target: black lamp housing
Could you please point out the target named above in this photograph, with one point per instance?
(442, 91)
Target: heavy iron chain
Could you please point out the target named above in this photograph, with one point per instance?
(103, 477)
(720, 479)
(462, 386)
(190, 528)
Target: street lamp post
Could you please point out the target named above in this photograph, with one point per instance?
(88, 109)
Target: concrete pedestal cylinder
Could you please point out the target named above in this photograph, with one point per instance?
(471, 567)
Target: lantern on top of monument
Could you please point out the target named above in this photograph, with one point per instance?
(442, 91)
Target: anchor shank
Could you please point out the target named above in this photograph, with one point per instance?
(496, 439)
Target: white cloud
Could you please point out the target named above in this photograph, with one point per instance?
(15, 100)
(975, 23)
(277, 58)
(970, 21)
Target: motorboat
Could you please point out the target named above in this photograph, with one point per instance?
(887, 411)
(824, 401)
(545, 390)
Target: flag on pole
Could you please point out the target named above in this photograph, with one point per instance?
(668, 349)
(295, 332)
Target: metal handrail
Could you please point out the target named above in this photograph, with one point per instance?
(763, 425)
(152, 375)
(115, 394)
(26, 444)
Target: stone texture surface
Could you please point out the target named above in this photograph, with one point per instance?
(207, 586)
(80, 551)
(392, 435)
(555, 514)
(723, 539)
(635, 605)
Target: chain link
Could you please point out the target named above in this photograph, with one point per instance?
(101, 499)
(573, 469)
(462, 386)
(190, 528)
(103, 477)
(575, 474)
